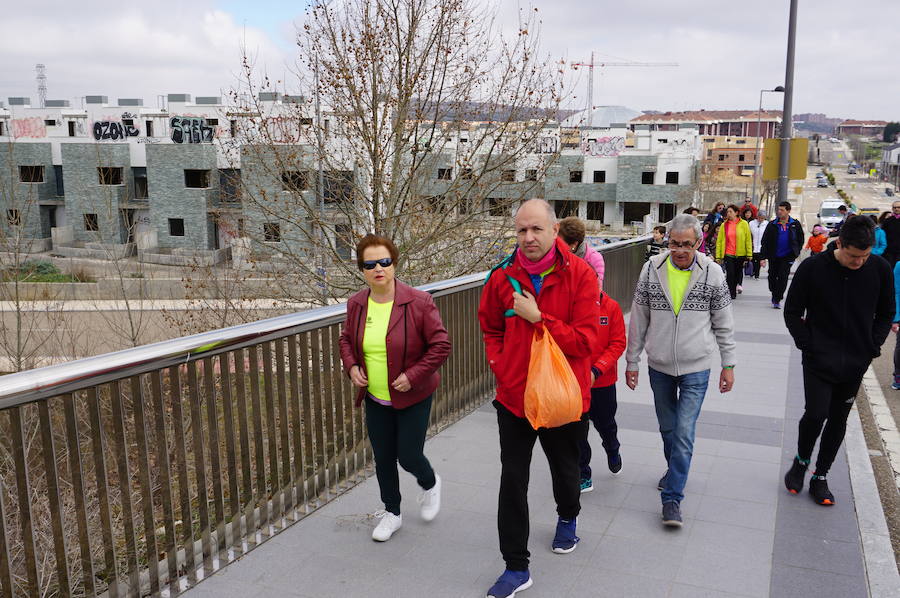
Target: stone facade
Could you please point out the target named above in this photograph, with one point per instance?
(92, 203)
(171, 199)
(23, 202)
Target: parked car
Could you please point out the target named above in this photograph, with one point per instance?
(823, 182)
(828, 213)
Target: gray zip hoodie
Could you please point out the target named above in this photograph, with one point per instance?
(682, 344)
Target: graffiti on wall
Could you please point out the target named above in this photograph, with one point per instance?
(28, 127)
(114, 130)
(546, 145)
(190, 130)
(603, 147)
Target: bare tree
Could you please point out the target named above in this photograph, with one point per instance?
(23, 340)
(422, 122)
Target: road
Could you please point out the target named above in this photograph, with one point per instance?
(865, 191)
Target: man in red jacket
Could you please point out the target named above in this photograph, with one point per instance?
(602, 413)
(559, 294)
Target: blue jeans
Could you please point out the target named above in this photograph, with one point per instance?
(678, 400)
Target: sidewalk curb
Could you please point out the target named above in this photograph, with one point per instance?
(884, 421)
(878, 553)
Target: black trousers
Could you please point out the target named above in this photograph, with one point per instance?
(757, 267)
(779, 269)
(516, 444)
(734, 274)
(603, 416)
(398, 435)
(827, 404)
(897, 359)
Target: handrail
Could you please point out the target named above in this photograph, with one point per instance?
(153, 467)
(32, 385)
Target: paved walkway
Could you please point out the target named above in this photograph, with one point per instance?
(744, 535)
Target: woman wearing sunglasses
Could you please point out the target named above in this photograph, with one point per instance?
(392, 344)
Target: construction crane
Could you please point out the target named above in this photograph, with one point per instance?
(590, 66)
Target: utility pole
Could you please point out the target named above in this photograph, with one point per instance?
(787, 112)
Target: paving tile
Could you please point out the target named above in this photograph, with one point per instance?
(751, 436)
(724, 571)
(730, 511)
(647, 498)
(610, 583)
(808, 552)
(454, 559)
(594, 518)
(681, 590)
(800, 515)
(733, 449)
(639, 557)
(741, 542)
(791, 582)
(465, 527)
(646, 525)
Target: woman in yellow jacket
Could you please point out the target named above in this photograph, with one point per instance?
(733, 247)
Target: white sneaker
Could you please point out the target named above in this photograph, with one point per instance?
(740, 289)
(431, 500)
(387, 526)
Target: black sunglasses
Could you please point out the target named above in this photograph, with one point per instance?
(383, 262)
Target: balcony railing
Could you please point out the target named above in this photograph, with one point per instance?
(144, 470)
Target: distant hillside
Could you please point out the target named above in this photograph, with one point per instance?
(481, 111)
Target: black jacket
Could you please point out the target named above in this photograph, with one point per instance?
(891, 228)
(840, 317)
(769, 243)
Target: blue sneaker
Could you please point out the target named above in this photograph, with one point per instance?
(586, 485)
(509, 583)
(565, 539)
(615, 464)
(895, 385)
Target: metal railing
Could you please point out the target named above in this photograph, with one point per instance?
(144, 470)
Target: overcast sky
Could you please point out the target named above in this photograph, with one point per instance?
(727, 51)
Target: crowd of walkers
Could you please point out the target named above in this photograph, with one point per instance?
(839, 310)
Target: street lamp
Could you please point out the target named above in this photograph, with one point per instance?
(778, 89)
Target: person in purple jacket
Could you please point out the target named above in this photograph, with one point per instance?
(572, 231)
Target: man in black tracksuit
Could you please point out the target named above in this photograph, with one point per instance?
(891, 228)
(839, 311)
(781, 244)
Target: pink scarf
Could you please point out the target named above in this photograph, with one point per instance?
(542, 265)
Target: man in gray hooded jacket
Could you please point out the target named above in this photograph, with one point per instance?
(681, 313)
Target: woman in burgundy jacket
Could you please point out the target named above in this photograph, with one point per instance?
(392, 344)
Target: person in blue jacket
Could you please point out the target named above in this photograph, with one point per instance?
(880, 237)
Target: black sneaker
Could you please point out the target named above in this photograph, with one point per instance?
(793, 479)
(818, 489)
(671, 514)
(662, 482)
(615, 463)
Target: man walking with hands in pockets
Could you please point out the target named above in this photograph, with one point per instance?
(681, 313)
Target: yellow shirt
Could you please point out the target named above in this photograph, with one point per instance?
(678, 283)
(375, 349)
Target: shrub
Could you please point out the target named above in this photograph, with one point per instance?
(39, 268)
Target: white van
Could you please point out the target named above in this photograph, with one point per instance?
(828, 214)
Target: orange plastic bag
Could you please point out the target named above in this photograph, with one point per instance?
(552, 393)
